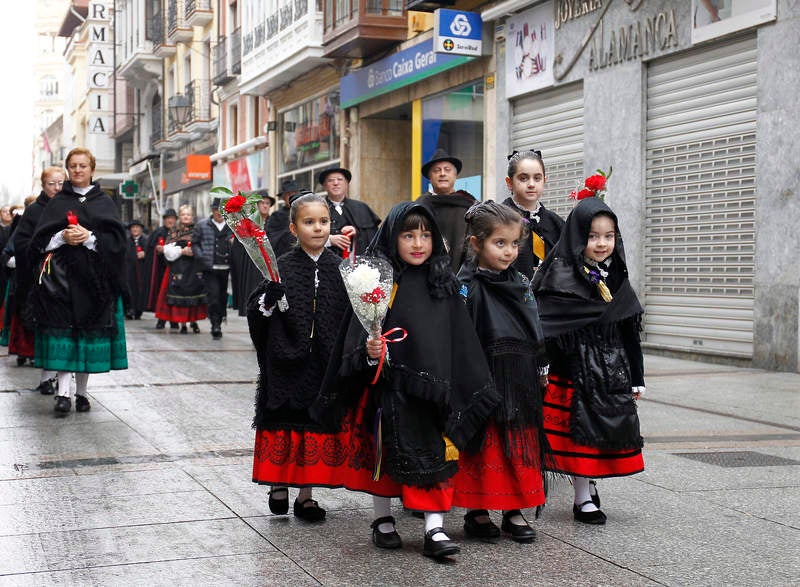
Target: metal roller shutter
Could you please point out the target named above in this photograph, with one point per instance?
(700, 200)
(552, 122)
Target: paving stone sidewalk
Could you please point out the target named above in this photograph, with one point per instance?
(152, 487)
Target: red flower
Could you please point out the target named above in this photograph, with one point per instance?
(596, 183)
(235, 203)
(585, 194)
(138, 249)
(373, 297)
(246, 228)
(161, 242)
(72, 218)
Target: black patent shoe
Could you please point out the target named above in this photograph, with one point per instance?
(173, 326)
(593, 493)
(195, 328)
(279, 506)
(439, 548)
(48, 386)
(518, 533)
(82, 403)
(63, 406)
(388, 540)
(21, 361)
(596, 517)
(184, 330)
(310, 513)
(475, 529)
(160, 325)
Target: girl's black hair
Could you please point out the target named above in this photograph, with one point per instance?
(415, 220)
(517, 156)
(309, 198)
(483, 217)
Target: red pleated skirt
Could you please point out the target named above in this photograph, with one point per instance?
(575, 459)
(177, 313)
(492, 480)
(345, 459)
(20, 341)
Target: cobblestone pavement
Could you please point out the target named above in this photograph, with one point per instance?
(152, 487)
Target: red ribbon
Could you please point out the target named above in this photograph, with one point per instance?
(386, 340)
(260, 243)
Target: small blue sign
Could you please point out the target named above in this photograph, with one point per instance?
(457, 32)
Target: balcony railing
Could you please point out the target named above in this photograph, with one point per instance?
(235, 50)
(154, 28)
(198, 12)
(227, 58)
(177, 28)
(199, 93)
(157, 128)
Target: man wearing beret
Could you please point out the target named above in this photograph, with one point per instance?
(447, 205)
(351, 220)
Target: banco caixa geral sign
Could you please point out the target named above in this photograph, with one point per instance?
(456, 32)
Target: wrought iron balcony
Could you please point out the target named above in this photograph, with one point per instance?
(227, 58)
(155, 32)
(156, 128)
(359, 28)
(177, 29)
(235, 51)
(199, 93)
(198, 12)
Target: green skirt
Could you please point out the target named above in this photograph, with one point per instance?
(84, 354)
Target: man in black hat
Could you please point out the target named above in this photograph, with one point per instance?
(278, 223)
(350, 219)
(447, 205)
(154, 262)
(138, 278)
(212, 248)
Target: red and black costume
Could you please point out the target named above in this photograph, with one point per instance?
(507, 473)
(590, 415)
(182, 297)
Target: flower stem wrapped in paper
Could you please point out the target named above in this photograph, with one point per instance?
(236, 210)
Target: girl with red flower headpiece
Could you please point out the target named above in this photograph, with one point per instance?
(591, 320)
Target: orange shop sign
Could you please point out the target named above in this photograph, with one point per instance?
(198, 167)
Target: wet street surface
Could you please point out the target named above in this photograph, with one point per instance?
(152, 487)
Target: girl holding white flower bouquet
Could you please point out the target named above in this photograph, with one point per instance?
(434, 392)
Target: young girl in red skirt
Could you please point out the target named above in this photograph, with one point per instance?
(294, 346)
(591, 320)
(507, 473)
(434, 392)
(182, 297)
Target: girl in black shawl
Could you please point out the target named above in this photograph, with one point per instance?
(435, 392)
(182, 297)
(507, 473)
(591, 319)
(78, 249)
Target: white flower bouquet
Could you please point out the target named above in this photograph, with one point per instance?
(368, 282)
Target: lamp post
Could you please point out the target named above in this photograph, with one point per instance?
(180, 109)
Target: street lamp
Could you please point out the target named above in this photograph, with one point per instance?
(180, 109)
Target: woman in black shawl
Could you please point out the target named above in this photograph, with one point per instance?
(591, 320)
(78, 248)
(182, 297)
(435, 392)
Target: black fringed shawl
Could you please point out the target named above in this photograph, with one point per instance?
(436, 382)
(548, 227)
(93, 279)
(504, 315)
(596, 343)
(294, 346)
(186, 287)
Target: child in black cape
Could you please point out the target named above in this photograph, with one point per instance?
(435, 392)
(507, 473)
(591, 319)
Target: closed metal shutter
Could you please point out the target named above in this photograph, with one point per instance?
(700, 200)
(552, 122)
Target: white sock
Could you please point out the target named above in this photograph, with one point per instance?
(382, 508)
(81, 383)
(581, 485)
(64, 383)
(435, 520)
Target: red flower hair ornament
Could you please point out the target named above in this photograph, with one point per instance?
(594, 186)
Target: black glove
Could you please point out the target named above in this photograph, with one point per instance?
(272, 292)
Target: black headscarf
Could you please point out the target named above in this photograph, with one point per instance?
(567, 298)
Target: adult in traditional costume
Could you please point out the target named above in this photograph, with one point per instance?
(591, 320)
(138, 278)
(350, 219)
(79, 248)
(155, 263)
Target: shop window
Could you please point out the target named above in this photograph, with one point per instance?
(309, 134)
(453, 121)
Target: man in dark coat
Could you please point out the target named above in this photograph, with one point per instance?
(138, 277)
(154, 262)
(350, 219)
(447, 205)
(213, 248)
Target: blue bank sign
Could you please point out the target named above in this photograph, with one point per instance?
(457, 32)
(396, 71)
